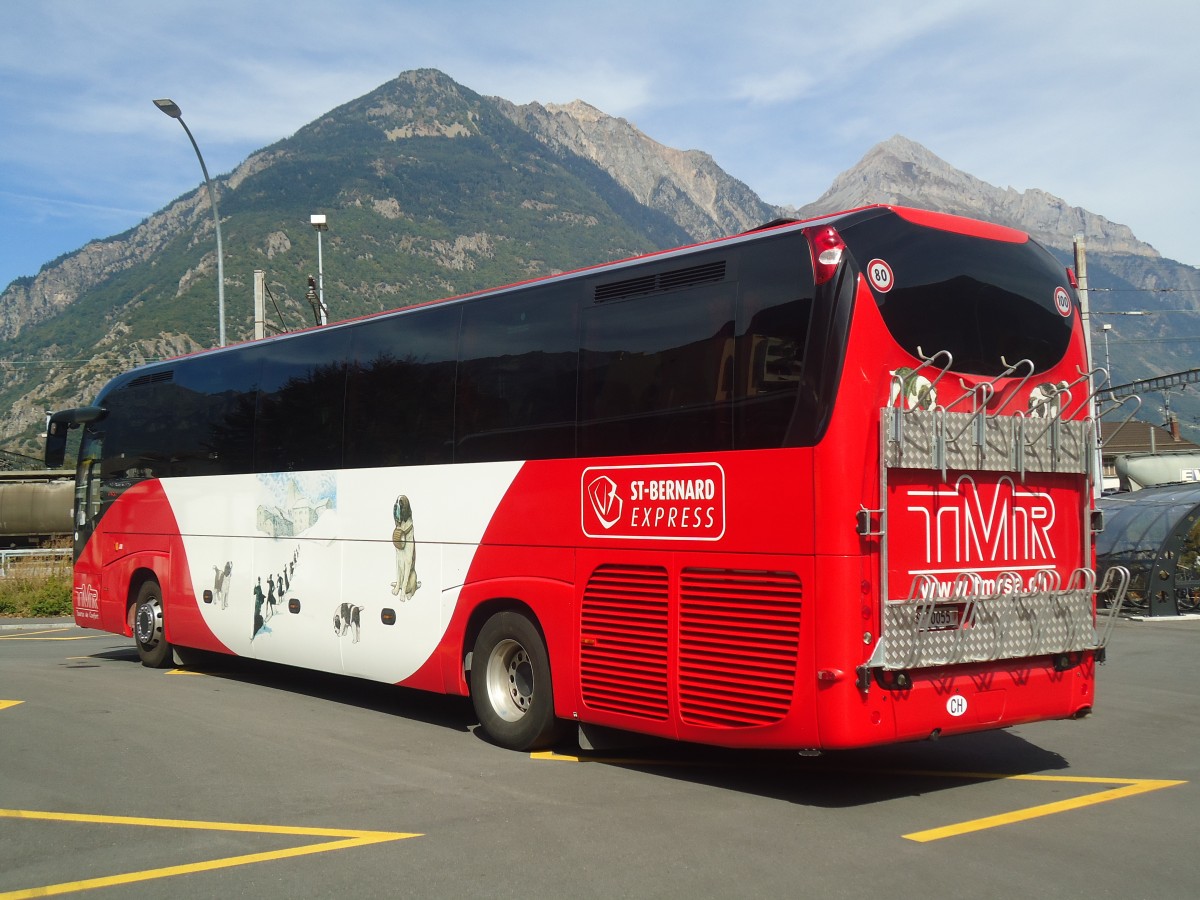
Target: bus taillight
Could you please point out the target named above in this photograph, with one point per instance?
(827, 249)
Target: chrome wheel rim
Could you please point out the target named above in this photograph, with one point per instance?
(509, 680)
(148, 624)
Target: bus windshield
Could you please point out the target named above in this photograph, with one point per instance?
(983, 300)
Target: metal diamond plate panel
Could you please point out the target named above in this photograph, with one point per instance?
(1005, 627)
(936, 439)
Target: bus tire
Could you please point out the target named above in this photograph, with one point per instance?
(510, 684)
(148, 634)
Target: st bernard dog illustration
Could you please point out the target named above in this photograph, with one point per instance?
(405, 545)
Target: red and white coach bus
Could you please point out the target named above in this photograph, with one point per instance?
(825, 484)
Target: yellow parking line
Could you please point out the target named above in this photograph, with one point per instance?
(552, 756)
(1122, 787)
(1127, 787)
(35, 635)
(6, 704)
(346, 838)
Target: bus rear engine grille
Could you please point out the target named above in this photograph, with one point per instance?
(623, 630)
(738, 643)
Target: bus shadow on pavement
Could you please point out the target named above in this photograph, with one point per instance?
(836, 779)
(449, 712)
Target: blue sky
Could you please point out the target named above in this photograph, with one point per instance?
(1097, 102)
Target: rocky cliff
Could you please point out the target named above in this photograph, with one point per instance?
(903, 172)
(686, 185)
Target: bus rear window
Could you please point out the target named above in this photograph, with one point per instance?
(987, 302)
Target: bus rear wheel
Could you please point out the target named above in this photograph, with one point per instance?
(510, 684)
(152, 646)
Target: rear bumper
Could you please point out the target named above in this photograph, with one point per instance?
(957, 699)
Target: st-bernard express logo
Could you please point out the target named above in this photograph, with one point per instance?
(683, 502)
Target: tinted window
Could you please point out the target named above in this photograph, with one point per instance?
(302, 389)
(775, 305)
(400, 393)
(220, 435)
(657, 373)
(982, 300)
(193, 418)
(517, 376)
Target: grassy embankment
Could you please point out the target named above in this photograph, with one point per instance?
(37, 586)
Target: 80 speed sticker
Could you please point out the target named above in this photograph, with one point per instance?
(880, 275)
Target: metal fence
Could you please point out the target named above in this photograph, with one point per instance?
(47, 559)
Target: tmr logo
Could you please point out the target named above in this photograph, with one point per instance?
(87, 600)
(683, 502)
(994, 526)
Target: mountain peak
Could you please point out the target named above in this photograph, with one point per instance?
(901, 171)
(686, 185)
(578, 110)
(905, 148)
(417, 103)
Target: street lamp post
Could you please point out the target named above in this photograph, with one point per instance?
(320, 223)
(1106, 328)
(170, 108)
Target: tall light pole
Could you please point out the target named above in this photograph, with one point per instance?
(320, 223)
(171, 109)
(1106, 328)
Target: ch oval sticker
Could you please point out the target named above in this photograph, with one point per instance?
(956, 705)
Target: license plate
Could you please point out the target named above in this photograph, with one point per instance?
(943, 618)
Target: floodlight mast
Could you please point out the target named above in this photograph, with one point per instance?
(320, 223)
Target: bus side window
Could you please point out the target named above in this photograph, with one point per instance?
(212, 408)
(517, 373)
(301, 403)
(651, 373)
(400, 389)
(775, 304)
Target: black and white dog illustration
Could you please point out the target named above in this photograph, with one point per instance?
(347, 619)
(404, 541)
(221, 584)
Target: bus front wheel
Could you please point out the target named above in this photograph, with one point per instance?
(510, 684)
(152, 646)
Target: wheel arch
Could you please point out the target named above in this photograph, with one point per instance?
(138, 577)
(484, 611)
(546, 603)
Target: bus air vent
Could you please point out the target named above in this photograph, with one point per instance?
(153, 378)
(623, 641)
(738, 642)
(706, 273)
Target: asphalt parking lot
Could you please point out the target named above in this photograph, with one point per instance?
(238, 779)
